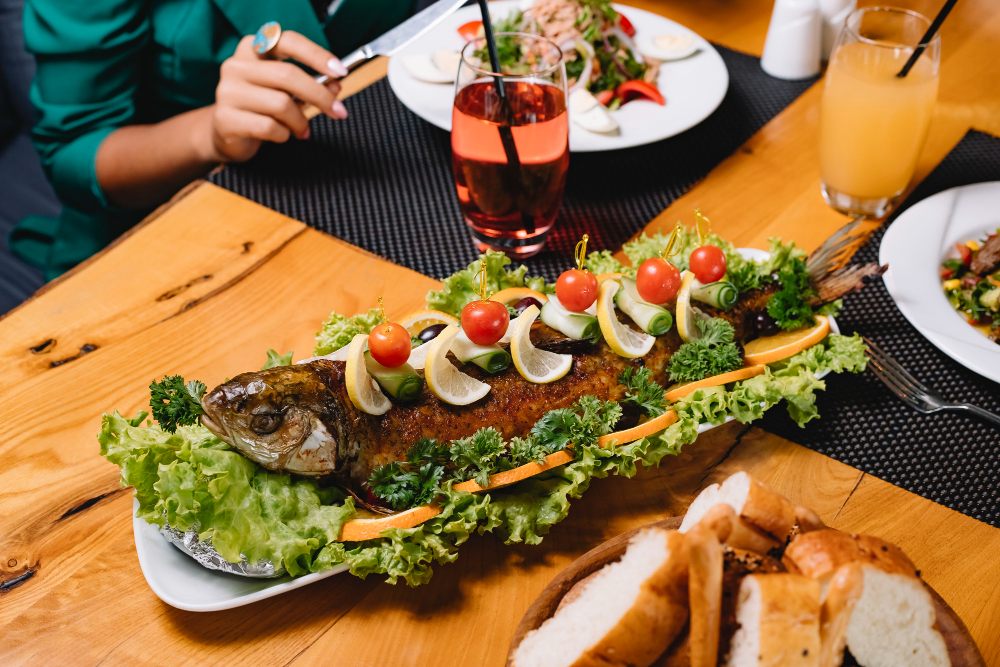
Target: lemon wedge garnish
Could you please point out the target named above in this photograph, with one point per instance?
(362, 388)
(687, 316)
(443, 379)
(626, 342)
(534, 365)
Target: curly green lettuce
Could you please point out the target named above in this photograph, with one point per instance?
(460, 288)
(339, 330)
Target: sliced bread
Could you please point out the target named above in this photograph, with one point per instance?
(766, 517)
(627, 614)
(778, 617)
(893, 623)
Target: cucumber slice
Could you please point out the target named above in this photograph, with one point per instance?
(574, 325)
(654, 320)
(721, 294)
(491, 358)
(402, 383)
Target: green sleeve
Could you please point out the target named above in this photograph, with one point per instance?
(89, 58)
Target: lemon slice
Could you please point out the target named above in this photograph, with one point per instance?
(687, 315)
(780, 346)
(534, 365)
(420, 320)
(362, 389)
(444, 380)
(625, 341)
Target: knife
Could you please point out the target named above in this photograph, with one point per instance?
(395, 40)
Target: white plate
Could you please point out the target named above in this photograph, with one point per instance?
(182, 582)
(694, 87)
(914, 246)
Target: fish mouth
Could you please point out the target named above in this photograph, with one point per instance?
(219, 431)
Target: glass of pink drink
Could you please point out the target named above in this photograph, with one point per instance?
(510, 153)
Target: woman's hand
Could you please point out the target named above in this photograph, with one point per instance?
(253, 102)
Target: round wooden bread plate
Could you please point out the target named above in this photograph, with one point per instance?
(961, 647)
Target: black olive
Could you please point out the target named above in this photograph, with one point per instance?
(765, 325)
(526, 302)
(265, 423)
(431, 332)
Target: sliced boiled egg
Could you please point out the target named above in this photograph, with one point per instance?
(590, 114)
(667, 47)
(431, 68)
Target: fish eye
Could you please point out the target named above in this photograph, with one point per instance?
(263, 424)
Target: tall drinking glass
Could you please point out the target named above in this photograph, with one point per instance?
(510, 153)
(873, 123)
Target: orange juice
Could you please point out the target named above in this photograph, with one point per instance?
(873, 124)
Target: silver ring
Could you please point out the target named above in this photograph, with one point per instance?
(266, 39)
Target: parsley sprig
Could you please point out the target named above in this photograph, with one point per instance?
(714, 353)
(642, 391)
(789, 307)
(174, 403)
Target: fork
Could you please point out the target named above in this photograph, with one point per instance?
(911, 391)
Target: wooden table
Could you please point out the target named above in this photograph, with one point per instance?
(212, 280)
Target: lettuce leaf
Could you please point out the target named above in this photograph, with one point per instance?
(193, 481)
(339, 330)
(603, 262)
(460, 288)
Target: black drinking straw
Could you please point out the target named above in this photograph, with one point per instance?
(506, 135)
(926, 39)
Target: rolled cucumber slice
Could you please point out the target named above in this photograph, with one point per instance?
(721, 294)
(654, 320)
(491, 358)
(402, 383)
(574, 325)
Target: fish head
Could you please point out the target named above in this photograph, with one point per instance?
(274, 417)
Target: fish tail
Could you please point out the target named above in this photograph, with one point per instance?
(827, 265)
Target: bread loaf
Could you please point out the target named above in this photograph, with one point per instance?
(893, 623)
(626, 615)
(778, 617)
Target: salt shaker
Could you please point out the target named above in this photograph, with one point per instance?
(794, 40)
(834, 13)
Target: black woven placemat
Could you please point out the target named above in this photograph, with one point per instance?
(382, 179)
(949, 458)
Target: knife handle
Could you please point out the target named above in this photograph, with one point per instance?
(350, 61)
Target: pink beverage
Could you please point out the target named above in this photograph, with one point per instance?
(510, 207)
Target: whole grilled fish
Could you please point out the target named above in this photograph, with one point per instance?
(300, 419)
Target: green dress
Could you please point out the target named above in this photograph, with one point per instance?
(104, 64)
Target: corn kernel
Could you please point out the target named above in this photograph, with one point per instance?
(952, 284)
(972, 245)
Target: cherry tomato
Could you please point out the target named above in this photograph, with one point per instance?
(470, 31)
(964, 252)
(626, 25)
(390, 344)
(657, 280)
(485, 322)
(708, 264)
(576, 290)
(605, 96)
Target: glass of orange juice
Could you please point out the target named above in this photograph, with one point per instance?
(873, 124)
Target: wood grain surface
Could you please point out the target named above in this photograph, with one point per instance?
(214, 280)
(961, 647)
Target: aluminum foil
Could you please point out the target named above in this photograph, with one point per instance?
(207, 556)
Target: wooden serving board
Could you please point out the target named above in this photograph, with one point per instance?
(961, 647)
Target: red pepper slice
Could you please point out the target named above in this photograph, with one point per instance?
(471, 30)
(605, 97)
(640, 88)
(946, 273)
(626, 25)
(964, 252)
